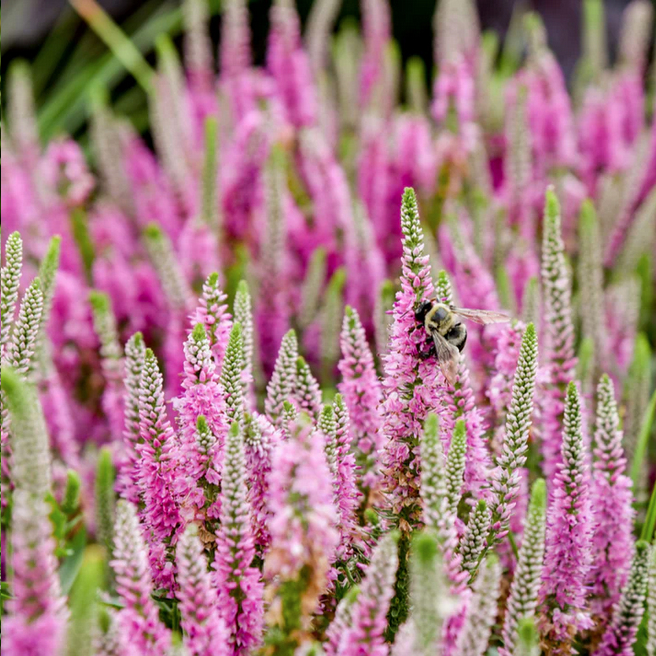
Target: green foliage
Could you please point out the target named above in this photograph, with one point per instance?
(48, 271)
(284, 636)
(71, 499)
(528, 638)
(209, 201)
(82, 237)
(643, 441)
(400, 604)
(105, 498)
(312, 287)
(83, 604)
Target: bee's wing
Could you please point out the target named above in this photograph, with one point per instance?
(482, 316)
(447, 357)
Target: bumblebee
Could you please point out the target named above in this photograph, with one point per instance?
(449, 334)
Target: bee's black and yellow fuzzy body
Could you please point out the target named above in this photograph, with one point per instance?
(439, 317)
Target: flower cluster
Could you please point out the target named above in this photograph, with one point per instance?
(195, 457)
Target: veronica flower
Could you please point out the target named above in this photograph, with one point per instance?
(235, 57)
(36, 612)
(651, 605)
(342, 621)
(363, 261)
(212, 312)
(628, 610)
(290, 67)
(162, 256)
(362, 395)
(139, 619)
(411, 383)
(244, 315)
(524, 589)
(35, 622)
(283, 378)
(550, 111)
(431, 601)
(334, 424)
(306, 389)
(591, 280)
(506, 477)
(569, 536)
(260, 440)
(206, 633)
(455, 465)
(112, 641)
(303, 534)
(440, 500)
(559, 333)
(21, 348)
(273, 310)
(157, 473)
(203, 396)
(377, 30)
(474, 540)
(11, 274)
(112, 360)
(499, 387)
(518, 174)
(231, 376)
(482, 610)
(237, 580)
(197, 46)
(364, 636)
(127, 482)
(178, 296)
(612, 544)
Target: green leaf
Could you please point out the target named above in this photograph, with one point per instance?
(649, 526)
(643, 441)
(73, 562)
(80, 228)
(57, 517)
(71, 499)
(5, 592)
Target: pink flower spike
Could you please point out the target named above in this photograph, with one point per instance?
(157, 474)
(362, 393)
(35, 623)
(139, 619)
(412, 383)
(212, 312)
(238, 582)
(369, 613)
(559, 334)
(289, 65)
(206, 633)
(612, 499)
(260, 440)
(303, 534)
(568, 553)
